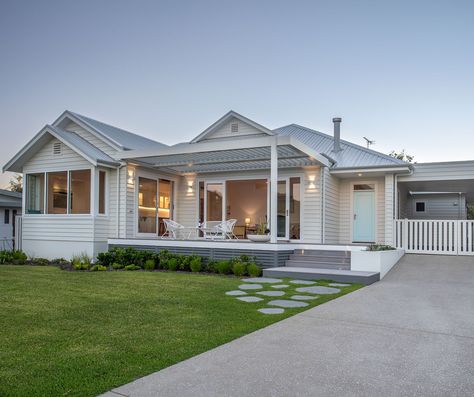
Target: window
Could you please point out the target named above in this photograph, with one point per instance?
(35, 194)
(101, 192)
(7, 217)
(147, 209)
(420, 206)
(80, 192)
(363, 187)
(57, 192)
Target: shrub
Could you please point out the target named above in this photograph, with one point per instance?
(117, 266)
(41, 262)
(149, 264)
(163, 257)
(173, 264)
(98, 268)
(239, 268)
(253, 270)
(13, 257)
(223, 267)
(211, 266)
(132, 267)
(379, 247)
(106, 258)
(196, 264)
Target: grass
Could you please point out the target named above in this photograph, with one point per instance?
(81, 334)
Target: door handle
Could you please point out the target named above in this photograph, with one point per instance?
(355, 216)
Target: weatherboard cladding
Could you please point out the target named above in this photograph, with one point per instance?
(351, 155)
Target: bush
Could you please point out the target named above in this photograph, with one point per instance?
(149, 264)
(239, 268)
(172, 264)
(379, 247)
(132, 267)
(117, 266)
(211, 266)
(13, 257)
(223, 267)
(253, 270)
(196, 264)
(41, 262)
(98, 268)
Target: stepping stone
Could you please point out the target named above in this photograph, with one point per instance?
(286, 303)
(319, 290)
(271, 293)
(262, 280)
(269, 310)
(250, 299)
(339, 285)
(280, 286)
(236, 293)
(250, 286)
(304, 282)
(303, 297)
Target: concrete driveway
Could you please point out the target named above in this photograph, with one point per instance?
(412, 334)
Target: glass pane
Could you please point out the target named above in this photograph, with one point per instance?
(214, 201)
(281, 209)
(247, 203)
(101, 192)
(80, 196)
(147, 191)
(165, 198)
(363, 187)
(57, 192)
(35, 194)
(295, 207)
(201, 202)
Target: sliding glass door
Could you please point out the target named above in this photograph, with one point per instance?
(289, 208)
(214, 202)
(155, 203)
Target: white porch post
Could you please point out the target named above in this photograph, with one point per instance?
(273, 191)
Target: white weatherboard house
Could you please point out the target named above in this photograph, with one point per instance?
(89, 186)
(10, 206)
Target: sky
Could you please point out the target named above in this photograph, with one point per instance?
(397, 72)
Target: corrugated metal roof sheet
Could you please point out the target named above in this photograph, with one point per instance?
(83, 146)
(125, 139)
(351, 155)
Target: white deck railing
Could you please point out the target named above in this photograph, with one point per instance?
(18, 231)
(448, 237)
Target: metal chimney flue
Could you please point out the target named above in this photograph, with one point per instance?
(337, 134)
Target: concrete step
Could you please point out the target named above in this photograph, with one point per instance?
(323, 252)
(320, 258)
(317, 265)
(343, 276)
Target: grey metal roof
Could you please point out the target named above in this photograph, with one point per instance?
(10, 199)
(125, 139)
(83, 146)
(351, 155)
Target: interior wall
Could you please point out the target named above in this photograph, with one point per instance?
(247, 199)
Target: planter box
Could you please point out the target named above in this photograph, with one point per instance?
(375, 261)
(261, 238)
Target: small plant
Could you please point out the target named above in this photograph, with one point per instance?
(13, 257)
(173, 264)
(262, 228)
(117, 266)
(379, 247)
(253, 270)
(196, 264)
(223, 267)
(211, 266)
(132, 267)
(41, 262)
(149, 264)
(98, 268)
(239, 268)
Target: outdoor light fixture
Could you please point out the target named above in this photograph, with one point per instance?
(312, 179)
(131, 176)
(359, 174)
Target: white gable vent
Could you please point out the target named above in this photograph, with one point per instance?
(57, 148)
(234, 127)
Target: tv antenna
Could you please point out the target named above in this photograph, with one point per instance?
(369, 142)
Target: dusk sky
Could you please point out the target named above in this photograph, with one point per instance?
(398, 72)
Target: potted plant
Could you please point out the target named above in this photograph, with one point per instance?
(262, 233)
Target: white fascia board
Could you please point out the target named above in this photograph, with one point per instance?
(67, 114)
(396, 169)
(227, 117)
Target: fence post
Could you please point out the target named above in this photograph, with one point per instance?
(457, 236)
(405, 234)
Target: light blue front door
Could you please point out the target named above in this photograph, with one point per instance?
(364, 216)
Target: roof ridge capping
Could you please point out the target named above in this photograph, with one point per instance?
(343, 141)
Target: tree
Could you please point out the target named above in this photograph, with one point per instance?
(402, 156)
(16, 184)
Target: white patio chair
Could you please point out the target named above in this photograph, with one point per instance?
(226, 229)
(210, 229)
(172, 229)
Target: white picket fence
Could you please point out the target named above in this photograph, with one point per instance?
(449, 237)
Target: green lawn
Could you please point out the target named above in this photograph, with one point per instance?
(79, 334)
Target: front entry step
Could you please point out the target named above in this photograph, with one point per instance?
(344, 276)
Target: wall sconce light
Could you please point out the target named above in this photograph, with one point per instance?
(247, 221)
(190, 183)
(131, 176)
(312, 179)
